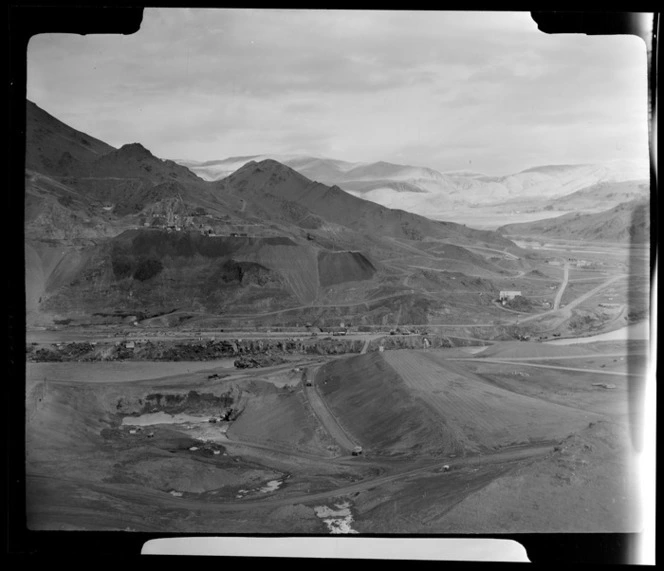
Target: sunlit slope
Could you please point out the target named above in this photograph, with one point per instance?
(277, 417)
(400, 401)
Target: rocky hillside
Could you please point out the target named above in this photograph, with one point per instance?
(115, 233)
(258, 180)
(53, 146)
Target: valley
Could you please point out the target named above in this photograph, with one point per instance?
(248, 353)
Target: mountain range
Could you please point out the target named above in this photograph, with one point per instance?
(115, 234)
(118, 233)
(441, 195)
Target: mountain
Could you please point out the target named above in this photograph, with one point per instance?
(335, 205)
(602, 195)
(114, 234)
(434, 194)
(329, 171)
(627, 222)
(53, 145)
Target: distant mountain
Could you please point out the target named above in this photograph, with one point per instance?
(602, 195)
(434, 194)
(218, 169)
(629, 221)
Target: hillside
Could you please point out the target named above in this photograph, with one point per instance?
(399, 402)
(53, 146)
(602, 195)
(115, 234)
(255, 180)
(629, 221)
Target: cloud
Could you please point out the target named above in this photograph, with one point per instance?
(428, 87)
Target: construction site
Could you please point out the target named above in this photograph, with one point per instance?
(344, 428)
(264, 353)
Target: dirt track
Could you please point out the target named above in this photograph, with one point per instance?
(498, 457)
(146, 496)
(566, 312)
(325, 415)
(563, 285)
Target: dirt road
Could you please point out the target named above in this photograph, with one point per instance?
(513, 455)
(561, 289)
(325, 414)
(566, 312)
(135, 495)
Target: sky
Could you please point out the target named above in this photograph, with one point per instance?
(481, 91)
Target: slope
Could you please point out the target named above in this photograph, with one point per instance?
(53, 146)
(435, 192)
(587, 485)
(407, 401)
(629, 221)
(255, 180)
(602, 195)
(265, 239)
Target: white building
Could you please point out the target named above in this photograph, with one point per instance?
(508, 295)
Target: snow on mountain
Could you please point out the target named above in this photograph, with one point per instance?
(432, 193)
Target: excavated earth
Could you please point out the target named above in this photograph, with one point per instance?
(229, 450)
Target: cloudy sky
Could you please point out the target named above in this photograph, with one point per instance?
(449, 90)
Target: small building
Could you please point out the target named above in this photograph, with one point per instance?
(130, 345)
(357, 451)
(507, 295)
